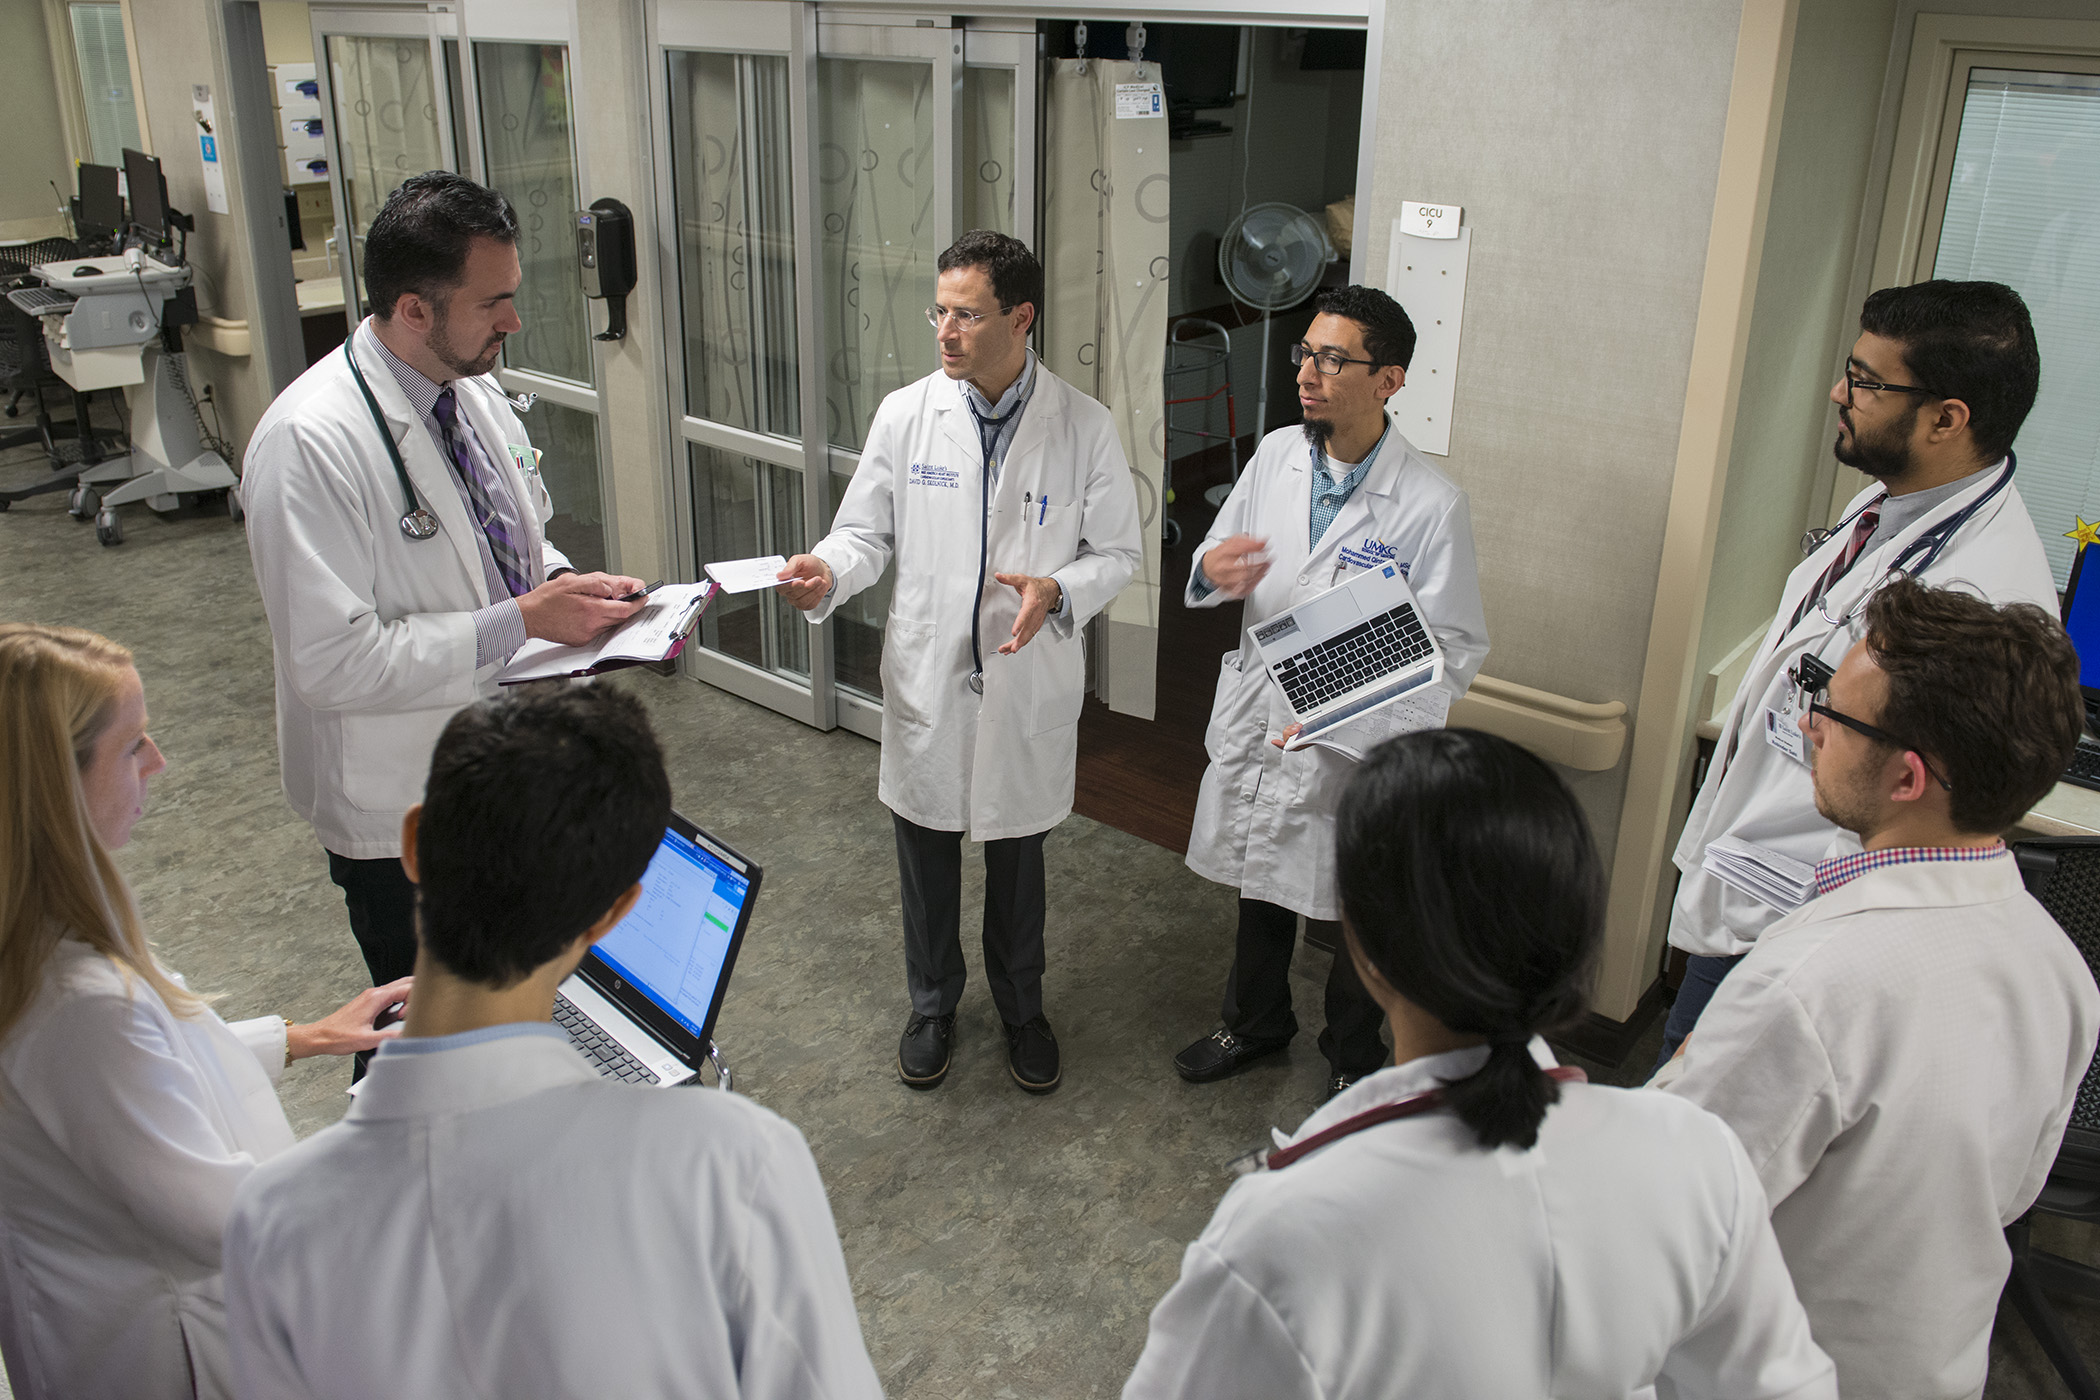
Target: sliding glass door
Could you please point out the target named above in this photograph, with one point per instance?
(815, 172)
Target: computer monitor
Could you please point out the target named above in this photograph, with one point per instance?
(149, 194)
(2082, 621)
(101, 207)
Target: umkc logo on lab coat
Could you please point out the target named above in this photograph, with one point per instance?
(1370, 554)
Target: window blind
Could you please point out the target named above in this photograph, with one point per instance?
(2023, 208)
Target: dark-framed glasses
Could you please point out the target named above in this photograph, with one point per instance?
(1853, 384)
(1329, 361)
(967, 320)
(1811, 676)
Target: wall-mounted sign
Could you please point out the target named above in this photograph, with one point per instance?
(1429, 220)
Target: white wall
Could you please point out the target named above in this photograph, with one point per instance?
(33, 157)
(1584, 143)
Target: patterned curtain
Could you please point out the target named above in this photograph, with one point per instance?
(1105, 328)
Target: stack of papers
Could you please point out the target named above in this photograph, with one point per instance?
(656, 633)
(747, 575)
(1760, 872)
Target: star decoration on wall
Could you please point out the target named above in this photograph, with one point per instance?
(2085, 534)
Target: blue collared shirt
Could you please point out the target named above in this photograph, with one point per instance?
(1328, 498)
(437, 1044)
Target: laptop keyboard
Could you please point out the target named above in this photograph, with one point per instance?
(2084, 769)
(1370, 651)
(611, 1057)
(41, 301)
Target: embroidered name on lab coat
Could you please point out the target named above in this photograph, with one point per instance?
(1370, 554)
(934, 474)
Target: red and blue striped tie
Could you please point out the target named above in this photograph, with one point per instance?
(1862, 531)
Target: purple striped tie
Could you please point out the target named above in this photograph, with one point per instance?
(509, 562)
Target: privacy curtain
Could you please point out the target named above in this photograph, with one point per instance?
(1105, 327)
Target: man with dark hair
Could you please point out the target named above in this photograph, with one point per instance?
(492, 1217)
(1341, 493)
(1931, 397)
(1004, 495)
(397, 523)
(1900, 1054)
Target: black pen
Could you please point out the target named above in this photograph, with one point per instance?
(640, 593)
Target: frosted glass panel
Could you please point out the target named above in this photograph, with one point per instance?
(876, 180)
(528, 148)
(386, 125)
(736, 240)
(568, 444)
(105, 81)
(984, 151)
(2023, 208)
(743, 507)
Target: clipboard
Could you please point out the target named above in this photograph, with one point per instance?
(655, 634)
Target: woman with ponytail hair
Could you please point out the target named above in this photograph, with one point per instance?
(129, 1112)
(1473, 1221)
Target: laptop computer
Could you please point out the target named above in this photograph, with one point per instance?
(1345, 652)
(642, 1006)
(2082, 621)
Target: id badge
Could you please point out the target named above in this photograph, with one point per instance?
(1783, 732)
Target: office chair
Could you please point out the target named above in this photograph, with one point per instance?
(2063, 872)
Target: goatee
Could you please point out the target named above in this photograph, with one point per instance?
(1319, 432)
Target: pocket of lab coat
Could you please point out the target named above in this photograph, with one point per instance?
(386, 754)
(1223, 708)
(1058, 685)
(911, 682)
(1054, 542)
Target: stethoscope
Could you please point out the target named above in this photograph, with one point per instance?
(1929, 544)
(986, 441)
(416, 522)
(1277, 1158)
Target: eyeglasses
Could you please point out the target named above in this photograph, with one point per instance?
(1854, 384)
(1329, 361)
(1812, 676)
(967, 320)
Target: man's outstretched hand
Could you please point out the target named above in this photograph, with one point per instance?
(1038, 597)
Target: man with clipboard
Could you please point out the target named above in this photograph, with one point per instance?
(397, 523)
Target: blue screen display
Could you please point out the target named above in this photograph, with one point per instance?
(673, 943)
(2082, 621)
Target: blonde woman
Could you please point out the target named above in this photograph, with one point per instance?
(129, 1112)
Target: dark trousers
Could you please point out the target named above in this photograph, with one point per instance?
(382, 904)
(1702, 978)
(929, 876)
(1258, 990)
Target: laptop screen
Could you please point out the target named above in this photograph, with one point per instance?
(676, 945)
(2082, 621)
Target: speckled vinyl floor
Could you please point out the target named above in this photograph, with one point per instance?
(1000, 1245)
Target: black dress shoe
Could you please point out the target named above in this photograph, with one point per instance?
(1221, 1054)
(1340, 1082)
(1031, 1054)
(922, 1055)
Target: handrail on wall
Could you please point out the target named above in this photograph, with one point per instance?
(1575, 733)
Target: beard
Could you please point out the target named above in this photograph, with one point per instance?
(452, 357)
(1887, 455)
(1319, 432)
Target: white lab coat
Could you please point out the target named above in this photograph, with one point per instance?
(1630, 1246)
(1758, 794)
(124, 1131)
(1002, 764)
(1899, 1057)
(373, 632)
(1264, 817)
(495, 1219)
